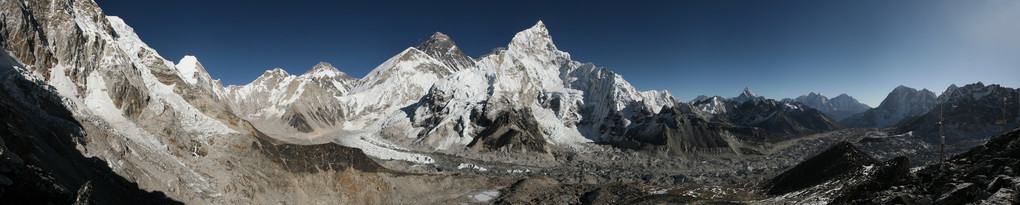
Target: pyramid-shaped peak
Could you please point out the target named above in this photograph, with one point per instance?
(535, 38)
(539, 24)
(745, 96)
(322, 65)
(438, 41)
(273, 76)
(748, 93)
(322, 69)
(952, 88)
(538, 28)
(442, 48)
(439, 36)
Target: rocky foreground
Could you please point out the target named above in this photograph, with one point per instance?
(982, 175)
(844, 175)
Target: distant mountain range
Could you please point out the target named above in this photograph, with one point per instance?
(838, 108)
(967, 113)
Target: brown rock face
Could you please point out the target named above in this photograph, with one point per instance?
(514, 130)
(315, 158)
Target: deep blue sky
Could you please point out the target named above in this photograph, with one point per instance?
(712, 47)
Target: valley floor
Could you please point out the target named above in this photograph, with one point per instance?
(697, 177)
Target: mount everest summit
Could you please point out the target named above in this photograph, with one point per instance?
(81, 90)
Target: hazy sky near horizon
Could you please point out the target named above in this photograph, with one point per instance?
(780, 49)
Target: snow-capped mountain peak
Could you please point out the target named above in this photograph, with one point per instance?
(748, 93)
(815, 100)
(188, 67)
(713, 105)
(275, 73)
(970, 91)
(409, 63)
(439, 36)
(745, 96)
(442, 48)
(323, 70)
(535, 38)
(816, 95)
(193, 73)
(268, 80)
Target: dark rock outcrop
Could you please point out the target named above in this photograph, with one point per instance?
(678, 132)
(514, 130)
(683, 129)
(542, 190)
(840, 160)
(442, 48)
(780, 121)
(841, 173)
(315, 158)
(983, 175)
